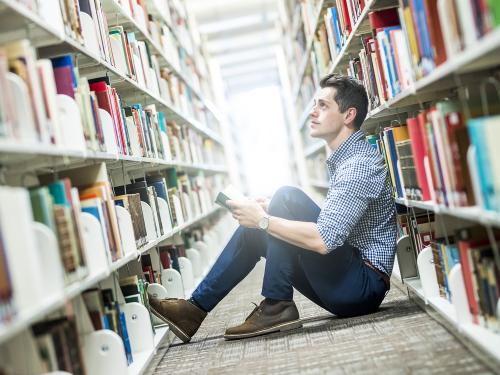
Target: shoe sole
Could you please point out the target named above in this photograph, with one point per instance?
(176, 330)
(277, 328)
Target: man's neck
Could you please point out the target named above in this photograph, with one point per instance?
(335, 143)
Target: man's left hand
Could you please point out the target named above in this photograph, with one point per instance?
(247, 212)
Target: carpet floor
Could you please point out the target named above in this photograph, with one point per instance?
(398, 339)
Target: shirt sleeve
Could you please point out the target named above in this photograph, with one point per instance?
(356, 184)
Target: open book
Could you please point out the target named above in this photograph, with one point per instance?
(229, 193)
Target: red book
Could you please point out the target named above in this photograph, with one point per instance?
(378, 20)
(464, 247)
(63, 76)
(347, 19)
(422, 121)
(436, 35)
(381, 19)
(105, 102)
(453, 121)
(417, 147)
(119, 121)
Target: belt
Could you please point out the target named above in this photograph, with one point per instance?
(383, 275)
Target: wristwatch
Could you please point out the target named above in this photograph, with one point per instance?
(264, 223)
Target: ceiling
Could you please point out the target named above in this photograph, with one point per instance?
(241, 37)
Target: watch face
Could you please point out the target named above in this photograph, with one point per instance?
(264, 223)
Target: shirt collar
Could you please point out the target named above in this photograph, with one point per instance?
(343, 150)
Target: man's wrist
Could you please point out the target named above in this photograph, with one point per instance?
(263, 223)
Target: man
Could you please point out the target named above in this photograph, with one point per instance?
(340, 256)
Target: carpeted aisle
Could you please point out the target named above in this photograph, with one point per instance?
(399, 339)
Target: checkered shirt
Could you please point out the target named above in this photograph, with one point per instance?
(359, 207)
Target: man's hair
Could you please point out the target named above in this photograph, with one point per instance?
(349, 93)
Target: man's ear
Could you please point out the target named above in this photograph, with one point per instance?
(350, 116)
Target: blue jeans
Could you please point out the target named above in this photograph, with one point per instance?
(340, 281)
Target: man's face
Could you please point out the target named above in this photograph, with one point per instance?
(325, 119)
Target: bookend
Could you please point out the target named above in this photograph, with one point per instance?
(108, 132)
(204, 253)
(406, 258)
(54, 19)
(425, 262)
(171, 279)
(104, 353)
(186, 273)
(459, 296)
(89, 34)
(26, 276)
(149, 221)
(139, 328)
(166, 223)
(194, 256)
(98, 259)
(211, 241)
(72, 131)
(126, 230)
(50, 260)
(157, 291)
(26, 131)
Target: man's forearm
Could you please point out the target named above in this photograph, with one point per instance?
(298, 233)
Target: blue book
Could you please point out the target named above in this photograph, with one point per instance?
(124, 335)
(335, 21)
(475, 128)
(161, 122)
(58, 191)
(393, 71)
(394, 160)
(94, 211)
(423, 28)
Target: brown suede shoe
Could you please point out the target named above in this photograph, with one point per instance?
(182, 317)
(267, 318)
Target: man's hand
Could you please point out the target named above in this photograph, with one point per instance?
(247, 212)
(264, 203)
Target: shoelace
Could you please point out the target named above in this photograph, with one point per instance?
(257, 310)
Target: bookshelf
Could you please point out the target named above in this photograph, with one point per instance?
(26, 22)
(464, 71)
(198, 163)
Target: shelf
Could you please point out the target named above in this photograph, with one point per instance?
(482, 337)
(17, 158)
(117, 15)
(305, 114)
(484, 54)
(24, 23)
(25, 318)
(314, 148)
(141, 360)
(471, 213)
(351, 46)
(309, 45)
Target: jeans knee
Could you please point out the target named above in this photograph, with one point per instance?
(280, 197)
